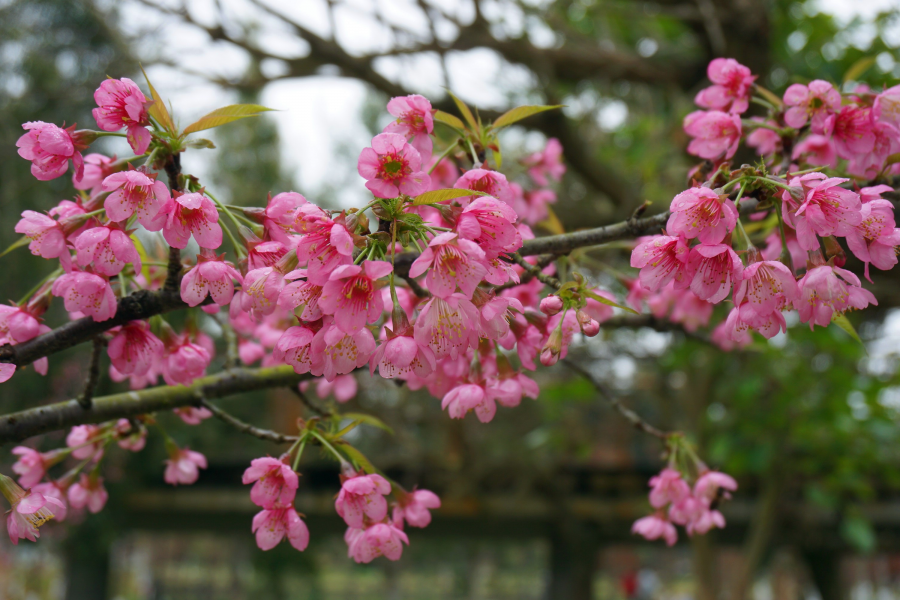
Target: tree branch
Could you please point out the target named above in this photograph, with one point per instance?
(90, 383)
(322, 412)
(263, 434)
(62, 415)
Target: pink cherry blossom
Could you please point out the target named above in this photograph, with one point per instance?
(122, 104)
(711, 484)
(344, 388)
(716, 134)
(448, 325)
(293, 348)
(274, 482)
(490, 224)
(768, 286)
(817, 102)
(182, 466)
(654, 527)
(744, 317)
(546, 164)
(700, 213)
(32, 465)
(351, 296)
(135, 193)
(88, 492)
(334, 352)
(193, 415)
(109, 248)
(84, 441)
(732, 87)
(134, 349)
(491, 183)
(184, 361)
(186, 215)
(817, 150)
(873, 241)
(854, 132)
(661, 259)
(463, 398)
(867, 194)
(827, 290)
(325, 246)
(213, 276)
(689, 310)
(392, 167)
(414, 508)
(17, 325)
(825, 209)
(29, 511)
(272, 525)
(97, 167)
(401, 355)
(668, 487)
(496, 314)
(713, 270)
(765, 140)
(531, 206)
(261, 290)
(886, 108)
(302, 298)
(414, 121)
(705, 520)
(49, 148)
(48, 240)
(362, 498)
(685, 510)
(86, 293)
(381, 539)
(869, 164)
(131, 436)
(280, 213)
(450, 262)
(52, 489)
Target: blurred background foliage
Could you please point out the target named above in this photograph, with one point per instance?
(537, 504)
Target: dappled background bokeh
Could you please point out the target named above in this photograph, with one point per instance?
(538, 503)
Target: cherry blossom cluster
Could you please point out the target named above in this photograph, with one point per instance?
(705, 255)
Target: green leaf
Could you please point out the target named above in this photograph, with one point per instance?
(225, 115)
(498, 157)
(368, 420)
(23, 241)
(436, 196)
(466, 113)
(858, 532)
(519, 113)
(200, 143)
(892, 159)
(607, 301)
(358, 458)
(451, 120)
(158, 109)
(844, 323)
(772, 98)
(858, 68)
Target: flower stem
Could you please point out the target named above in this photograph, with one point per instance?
(443, 155)
(327, 445)
(238, 248)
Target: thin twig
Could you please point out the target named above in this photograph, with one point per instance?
(323, 412)
(632, 417)
(263, 434)
(173, 271)
(527, 276)
(535, 272)
(90, 384)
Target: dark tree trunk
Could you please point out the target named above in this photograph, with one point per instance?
(824, 567)
(87, 563)
(573, 559)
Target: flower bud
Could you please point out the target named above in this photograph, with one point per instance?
(550, 352)
(582, 317)
(551, 305)
(591, 328)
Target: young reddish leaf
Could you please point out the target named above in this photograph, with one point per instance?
(517, 114)
(466, 113)
(158, 109)
(451, 120)
(225, 115)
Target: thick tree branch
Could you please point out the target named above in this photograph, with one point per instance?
(62, 415)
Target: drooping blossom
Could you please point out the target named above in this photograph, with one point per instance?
(448, 325)
(325, 246)
(193, 415)
(213, 276)
(690, 310)
(824, 209)
(826, 290)
(854, 133)
(661, 259)
(744, 317)
(701, 213)
(88, 492)
(450, 262)
(704, 520)
(414, 121)
(182, 466)
(109, 248)
(471, 397)
(344, 387)
(496, 313)
(85, 441)
(56, 490)
(97, 167)
(135, 193)
(732, 85)
(392, 167)
(274, 482)
(874, 240)
(654, 527)
(361, 498)
(490, 224)
(122, 104)
(768, 286)
(415, 508)
(48, 240)
(492, 183)
(261, 290)
(134, 349)
(817, 103)
(49, 148)
(716, 134)
(531, 206)
(886, 108)
(351, 295)
(130, 435)
(668, 487)
(18, 324)
(817, 150)
(280, 213)
(86, 293)
(381, 539)
(868, 165)
(187, 215)
(293, 348)
(401, 355)
(766, 141)
(32, 465)
(713, 270)
(335, 352)
(273, 525)
(546, 164)
(184, 361)
(29, 510)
